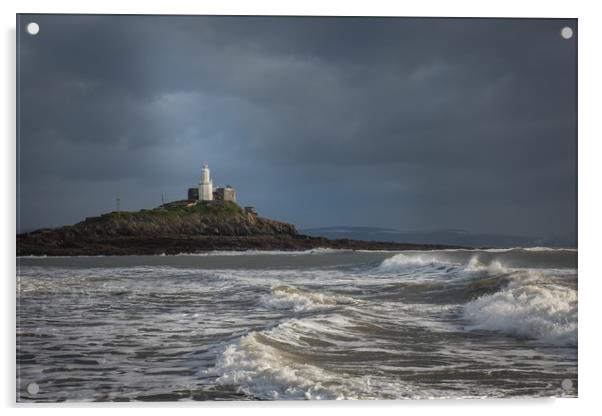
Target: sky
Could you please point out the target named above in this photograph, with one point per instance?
(408, 123)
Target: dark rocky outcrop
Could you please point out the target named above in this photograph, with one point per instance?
(182, 229)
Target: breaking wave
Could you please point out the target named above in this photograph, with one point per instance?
(524, 302)
(262, 370)
(287, 297)
(403, 261)
(540, 249)
(266, 252)
(375, 325)
(493, 267)
(532, 305)
(275, 364)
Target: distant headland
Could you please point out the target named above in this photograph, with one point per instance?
(209, 219)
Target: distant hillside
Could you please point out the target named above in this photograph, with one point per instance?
(449, 237)
(178, 228)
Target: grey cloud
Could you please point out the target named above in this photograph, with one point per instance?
(411, 123)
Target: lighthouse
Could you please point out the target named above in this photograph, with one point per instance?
(205, 185)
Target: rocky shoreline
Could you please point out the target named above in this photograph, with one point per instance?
(194, 229)
(164, 245)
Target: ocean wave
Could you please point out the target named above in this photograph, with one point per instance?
(487, 250)
(404, 262)
(280, 364)
(261, 370)
(265, 252)
(401, 262)
(539, 249)
(532, 305)
(493, 267)
(288, 297)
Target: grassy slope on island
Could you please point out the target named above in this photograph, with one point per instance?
(226, 219)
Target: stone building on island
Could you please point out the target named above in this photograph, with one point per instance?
(206, 192)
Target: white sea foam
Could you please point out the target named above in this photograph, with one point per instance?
(463, 264)
(264, 371)
(489, 250)
(265, 365)
(404, 261)
(287, 297)
(266, 252)
(493, 267)
(535, 304)
(347, 331)
(531, 306)
(536, 249)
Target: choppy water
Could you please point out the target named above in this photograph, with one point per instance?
(310, 325)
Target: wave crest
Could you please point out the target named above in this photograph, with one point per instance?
(401, 262)
(262, 370)
(531, 306)
(275, 364)
(404, 262)
(319, 250)
(494, 267)
(288, 297)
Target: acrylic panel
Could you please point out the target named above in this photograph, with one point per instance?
(283, 208)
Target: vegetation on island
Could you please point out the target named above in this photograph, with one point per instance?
(183, 227)
(223, 209)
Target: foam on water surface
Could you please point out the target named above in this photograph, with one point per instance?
(320, 325)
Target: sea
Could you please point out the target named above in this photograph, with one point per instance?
(308, 325)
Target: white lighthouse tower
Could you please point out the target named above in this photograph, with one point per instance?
(205, 185)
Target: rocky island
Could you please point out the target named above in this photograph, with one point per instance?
(183, 228)
(209, 219)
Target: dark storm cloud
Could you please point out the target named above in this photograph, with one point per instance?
(404, 123)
